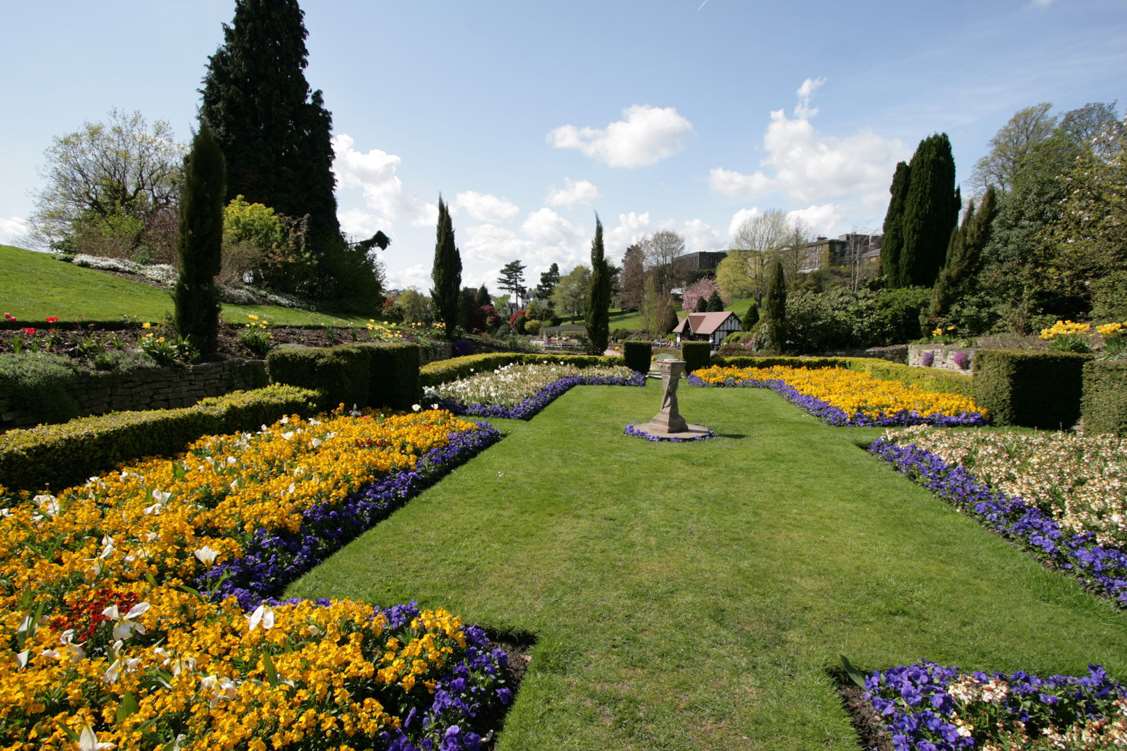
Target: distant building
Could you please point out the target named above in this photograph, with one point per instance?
(711, 327)
(692, 266)
(845, 250)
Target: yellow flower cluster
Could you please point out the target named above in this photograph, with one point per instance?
(940, 331)
(1065, 328)
(257, 322)
(1115, 328)
(851, 391)
(108, 645)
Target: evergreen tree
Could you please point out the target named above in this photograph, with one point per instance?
(201, 241)
(701, 306)
(775, 306)
(633, 277)
(751, 317)
(931, 211)
(715, 304)
(447, 272)
(964, 254)
(483, 297)
(598, 309)
(893, 240)
(548, 281)
(512, 279)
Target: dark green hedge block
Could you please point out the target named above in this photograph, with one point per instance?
(1105, 397)
(696, 355)
(638, 355)
(767, 361)
(41, 383)
(393, 375)
(54, 456)
(340, 373)
(1033, 389)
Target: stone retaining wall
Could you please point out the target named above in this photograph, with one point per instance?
(941, 356)
(150, 388)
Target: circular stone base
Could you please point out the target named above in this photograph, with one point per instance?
(654, 432)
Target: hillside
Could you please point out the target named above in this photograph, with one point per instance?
(633, 320)
(36, 285)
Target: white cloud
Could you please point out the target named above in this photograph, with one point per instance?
(376, 174)
(644, 136)
(485, 207)
(573, 192)
(739, 218)
(699, 235)
(13, 230)
(632, 227)
(810, 167)
(823, 219)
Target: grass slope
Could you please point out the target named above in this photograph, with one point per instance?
(633, 320)
(36, 285)
(692, 596)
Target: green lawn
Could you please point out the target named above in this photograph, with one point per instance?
(693, 596)
(633, 320)
(36, 285)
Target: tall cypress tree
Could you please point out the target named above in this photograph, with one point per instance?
(931, 211)
(964, 254)
(775, 306)
(893, 240)
(274, 131)
(447, 272)
(598, 310)
(196, 297)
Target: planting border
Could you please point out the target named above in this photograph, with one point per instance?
(528, 407)
(1102, 568)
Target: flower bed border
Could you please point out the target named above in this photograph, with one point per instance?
(636, 432)
(529, 406)
(1013, 518)
(838, 417)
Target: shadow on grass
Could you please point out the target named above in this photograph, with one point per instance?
(871, 734)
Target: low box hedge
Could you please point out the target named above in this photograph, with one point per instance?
(1029, 388)
(371, 374)
(696, 355)
(393, 374)
(444, 371)
(54, 456)
(41, 383)
(767, 361)
(638, 355)
(1104, 402)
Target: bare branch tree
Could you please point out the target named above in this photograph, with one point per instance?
(660, 250)
(1010, 145)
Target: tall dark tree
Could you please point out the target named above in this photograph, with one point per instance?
(715, 304)
(633, 277)
(775, 306)
(446, 272)
(196, 296)
(964, 254)
(893, 241)
(512, 279)
(483, 297)
(548, 281)
(701, 306)
(472, 319)
(931, 211)
(598, 310)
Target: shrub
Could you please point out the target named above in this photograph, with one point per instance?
(1109, 297)
(696, 355)
(638, 355)
(63, 454)
(1104, 402)
(443, 371)
(532, 326)
(393, 374)
(1034, 389)
(40, 383)
(340, 373)
(751, 317)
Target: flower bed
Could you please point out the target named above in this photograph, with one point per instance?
(520, 391)
(1060, 496)
(633, 430)
(848, 397)
(108, 645)
(935, 708)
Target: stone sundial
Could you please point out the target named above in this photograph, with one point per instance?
(668, 424)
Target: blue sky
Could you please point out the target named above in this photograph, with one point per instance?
(531, 116)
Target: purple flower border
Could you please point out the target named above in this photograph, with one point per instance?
(526, 408)
(916, 710)
(838, 417)
(633, 430)
(1102, 568)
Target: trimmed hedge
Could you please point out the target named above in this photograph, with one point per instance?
(67, 453)
(444, 371)
(375, 375)
(1033, 389)
(638, 355)
(1104, 403)
(696, 355)
(751, 361)
(41, 383)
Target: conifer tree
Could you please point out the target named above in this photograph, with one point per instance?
(964, 254)
(715, 304)
(483, 297)
(751, 317)
(447, 272)
(598, 309)
(931, 211)
(701, 306)
(196, 297)
(775, 306)
(893, 241)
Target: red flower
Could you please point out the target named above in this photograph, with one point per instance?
(9, 317)
(52, 319)
(30, 331)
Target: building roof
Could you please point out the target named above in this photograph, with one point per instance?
(704, 323)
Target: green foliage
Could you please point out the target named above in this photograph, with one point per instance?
(512, 278)
(572, 295)
(775, 306)
(446, 272)
(58, 455)
(751, 317)
(696, 355)
(253, 223)
(769, 361)
(637, 355)
(715, 304)
(362, 375)
(931, 210)
(548, 281)
(598, 307)
(41, 384)
(701, 306)
(201, 243)
(964, 254)
(393, 374)
(1109, 297)
(444, 371)
(1033, 389)
(893, 241)
(1104, 404)
(532, 326)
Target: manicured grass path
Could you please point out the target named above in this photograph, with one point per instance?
(692, 596)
